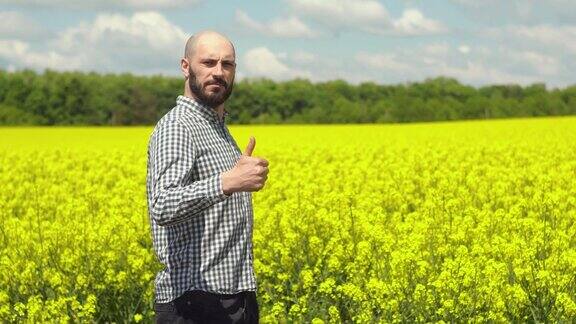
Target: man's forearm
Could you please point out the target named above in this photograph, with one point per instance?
(174, 205)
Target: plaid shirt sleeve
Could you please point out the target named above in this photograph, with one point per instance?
(175, 196)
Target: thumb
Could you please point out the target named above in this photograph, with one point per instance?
(250, 147)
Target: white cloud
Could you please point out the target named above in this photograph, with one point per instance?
(366, 15)
(382, 61)
(290, 27)
(303, 57)
(155, 4)
(282, 55)
(20, 54)
(436, 49)
(464, 49)
(413, 22)
(543, 49)
(554, 37)
(16, 25)
(243, 19)
(481, 66)
(12, 48)
(479, 72)
(343, 12)
(471, 3)
(143, 29)
(261, 62)
(144, 42)
(519, 5)
(528, 12)
(102, 4)
(544, 65)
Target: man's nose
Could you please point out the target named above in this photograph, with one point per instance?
(217, 71)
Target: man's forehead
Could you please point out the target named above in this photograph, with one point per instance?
(215, 49)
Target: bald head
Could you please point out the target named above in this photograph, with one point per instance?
(205, 37)
(209, 67)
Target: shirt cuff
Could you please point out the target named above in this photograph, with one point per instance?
(216, 191)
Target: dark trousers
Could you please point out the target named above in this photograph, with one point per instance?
(198, 306)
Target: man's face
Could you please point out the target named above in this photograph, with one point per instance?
(211, 72)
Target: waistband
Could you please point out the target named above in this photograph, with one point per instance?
(204, 295)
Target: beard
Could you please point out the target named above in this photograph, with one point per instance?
(211, 100)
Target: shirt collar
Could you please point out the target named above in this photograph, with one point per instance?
(203, 110)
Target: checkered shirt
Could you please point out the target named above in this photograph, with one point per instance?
(202, 236)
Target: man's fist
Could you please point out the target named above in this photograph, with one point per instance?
(249, 173)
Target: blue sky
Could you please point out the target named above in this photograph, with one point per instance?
(477, 42)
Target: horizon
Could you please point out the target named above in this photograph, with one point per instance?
(258, 78)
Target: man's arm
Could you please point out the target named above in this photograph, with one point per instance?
(171, 196)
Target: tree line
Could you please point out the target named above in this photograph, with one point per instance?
(78, 98)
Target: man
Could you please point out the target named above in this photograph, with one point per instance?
(199, 196)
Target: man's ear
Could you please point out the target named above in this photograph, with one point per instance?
(185, 67)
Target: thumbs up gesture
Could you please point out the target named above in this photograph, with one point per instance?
(250, 148)
(249, 173)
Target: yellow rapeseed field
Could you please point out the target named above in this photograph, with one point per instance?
(464, 221)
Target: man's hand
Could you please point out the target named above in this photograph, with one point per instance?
(249, 173)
